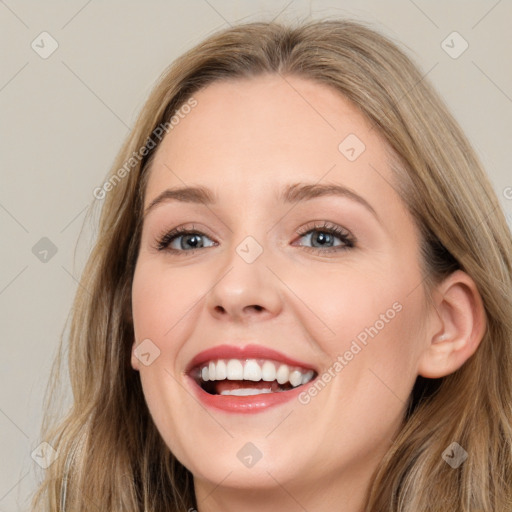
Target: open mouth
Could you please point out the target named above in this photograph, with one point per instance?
(245, 377)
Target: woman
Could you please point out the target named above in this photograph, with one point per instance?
(300, 297)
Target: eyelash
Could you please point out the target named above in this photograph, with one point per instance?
(164, 241)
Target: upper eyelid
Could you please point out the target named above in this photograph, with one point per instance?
(322, 225)
(180, 230)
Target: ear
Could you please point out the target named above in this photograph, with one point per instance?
(135, 360)
(461, 313)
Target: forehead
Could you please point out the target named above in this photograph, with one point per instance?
(263, 133)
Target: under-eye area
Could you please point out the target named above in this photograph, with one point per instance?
(250, 377)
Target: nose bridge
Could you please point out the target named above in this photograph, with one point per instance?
(245, 286)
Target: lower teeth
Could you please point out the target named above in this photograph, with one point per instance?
(245, 391)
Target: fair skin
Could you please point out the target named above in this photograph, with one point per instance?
(245, 141)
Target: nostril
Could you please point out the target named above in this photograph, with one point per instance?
(256, 307)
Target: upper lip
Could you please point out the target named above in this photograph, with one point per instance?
(244, 352)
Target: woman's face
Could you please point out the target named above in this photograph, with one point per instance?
(262, 277)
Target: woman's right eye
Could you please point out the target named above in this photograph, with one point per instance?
(182, 240)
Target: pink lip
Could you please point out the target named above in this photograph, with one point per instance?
(243, 404)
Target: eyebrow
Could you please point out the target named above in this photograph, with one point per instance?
(291, 194)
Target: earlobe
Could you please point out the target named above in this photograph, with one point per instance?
(461, 312)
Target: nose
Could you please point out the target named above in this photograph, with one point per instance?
(244, 290)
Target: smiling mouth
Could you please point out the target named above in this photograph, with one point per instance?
(246, 377)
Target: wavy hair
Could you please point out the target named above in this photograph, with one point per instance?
(110, 453)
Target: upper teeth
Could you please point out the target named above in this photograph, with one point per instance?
(255, 370)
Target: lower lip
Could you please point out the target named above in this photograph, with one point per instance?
(244, 404)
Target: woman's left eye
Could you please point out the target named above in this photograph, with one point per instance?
(181, 240)
(324, 235)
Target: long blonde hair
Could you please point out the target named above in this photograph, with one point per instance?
(110, 454)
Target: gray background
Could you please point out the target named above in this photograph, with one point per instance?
(63, 119)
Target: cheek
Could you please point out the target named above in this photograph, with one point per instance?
(343, 303)
(367, 324)
(161, 298)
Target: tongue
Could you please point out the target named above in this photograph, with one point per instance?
(228, 385)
